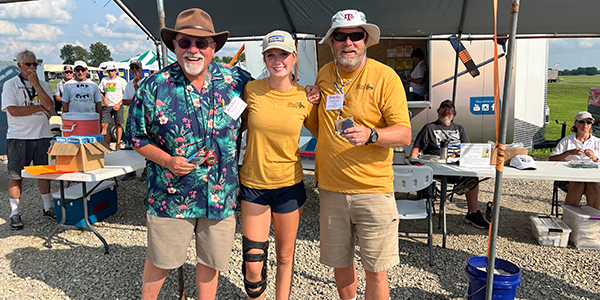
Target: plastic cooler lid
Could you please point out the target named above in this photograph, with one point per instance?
(550, 224)
(583, 212)
(79, 116)
(74, 192)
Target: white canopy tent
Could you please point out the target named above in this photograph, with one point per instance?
(149, 60)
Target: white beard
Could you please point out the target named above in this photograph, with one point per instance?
(193, 69)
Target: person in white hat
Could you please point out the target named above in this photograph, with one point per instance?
(82, 94)
(581, 145)
(112, 88)
(362, 117)
(271, 174)
(59, 90)
(185, 120)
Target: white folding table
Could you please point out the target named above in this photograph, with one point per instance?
(546, 170)
(115, 163)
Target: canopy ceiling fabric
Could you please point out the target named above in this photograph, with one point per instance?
(405, 18)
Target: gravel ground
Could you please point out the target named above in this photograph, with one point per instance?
(76, 268)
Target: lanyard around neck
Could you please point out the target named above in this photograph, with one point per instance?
(31, 94)
(363, 63)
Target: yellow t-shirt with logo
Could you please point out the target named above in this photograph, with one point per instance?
(376, 99)
(274, 120)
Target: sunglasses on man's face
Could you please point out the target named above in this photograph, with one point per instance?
(354, 36)
(202, 44)
(68, 72)
(134, 68)
(29, 64)
(79, 70)
(589, 122)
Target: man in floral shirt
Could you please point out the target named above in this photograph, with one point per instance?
(185, 120)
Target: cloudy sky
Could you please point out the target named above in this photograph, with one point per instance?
(46, 26)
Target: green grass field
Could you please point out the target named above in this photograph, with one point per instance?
(565, 99)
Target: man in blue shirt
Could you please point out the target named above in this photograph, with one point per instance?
(189, 109)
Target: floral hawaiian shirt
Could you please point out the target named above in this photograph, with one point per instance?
(169, 112)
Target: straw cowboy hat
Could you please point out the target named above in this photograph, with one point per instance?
(194, 22)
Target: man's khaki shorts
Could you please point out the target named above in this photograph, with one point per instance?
(373, 218)
(169, 238)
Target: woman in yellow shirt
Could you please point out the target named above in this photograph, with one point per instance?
(271, 174)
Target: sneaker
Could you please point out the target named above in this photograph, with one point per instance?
(49, 214)
(15, 222)
(477, 220)
(128, 176)
(465, 184)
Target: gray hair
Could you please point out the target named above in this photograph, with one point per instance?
(24, 55)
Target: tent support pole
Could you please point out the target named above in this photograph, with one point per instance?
(463, 15)
(514, 13)
(287, 17)
(161, 23)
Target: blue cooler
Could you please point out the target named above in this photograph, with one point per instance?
(101, 204)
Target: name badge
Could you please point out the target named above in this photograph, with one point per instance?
(235, 107)
(335, 102)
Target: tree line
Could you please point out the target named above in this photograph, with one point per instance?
(100, 53)
(97, 54)
(580, 71)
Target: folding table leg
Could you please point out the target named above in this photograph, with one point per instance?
(87, 219)
(444, 184)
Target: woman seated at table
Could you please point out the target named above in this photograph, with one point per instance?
(580, 146)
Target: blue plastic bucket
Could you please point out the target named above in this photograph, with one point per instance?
(505, 286)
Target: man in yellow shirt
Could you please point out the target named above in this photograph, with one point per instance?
(362, 116)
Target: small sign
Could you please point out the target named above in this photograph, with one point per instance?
(475, 155)
(482, 105)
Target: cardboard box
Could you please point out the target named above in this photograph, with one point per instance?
(585, 223)
(101, 204)
(508, 154)
(550, 231)
(79, 157)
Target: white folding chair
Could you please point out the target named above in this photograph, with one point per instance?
(408, 178)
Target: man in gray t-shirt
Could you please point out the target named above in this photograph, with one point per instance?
(428, 141)
(81, 94)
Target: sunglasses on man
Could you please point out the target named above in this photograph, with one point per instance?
(29, 64)
(354, 36)
(78, 70)
(589, 122)
(201, 44)
(68, 72)
(134, 67)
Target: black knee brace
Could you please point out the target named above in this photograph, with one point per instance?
(247, 245)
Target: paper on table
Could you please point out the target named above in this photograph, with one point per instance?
(475, 155)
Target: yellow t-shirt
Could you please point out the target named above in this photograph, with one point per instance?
(376, 99)
(274, 120)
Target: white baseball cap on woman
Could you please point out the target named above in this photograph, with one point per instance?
(279, 39)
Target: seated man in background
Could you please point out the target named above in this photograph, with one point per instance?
(428, 141)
